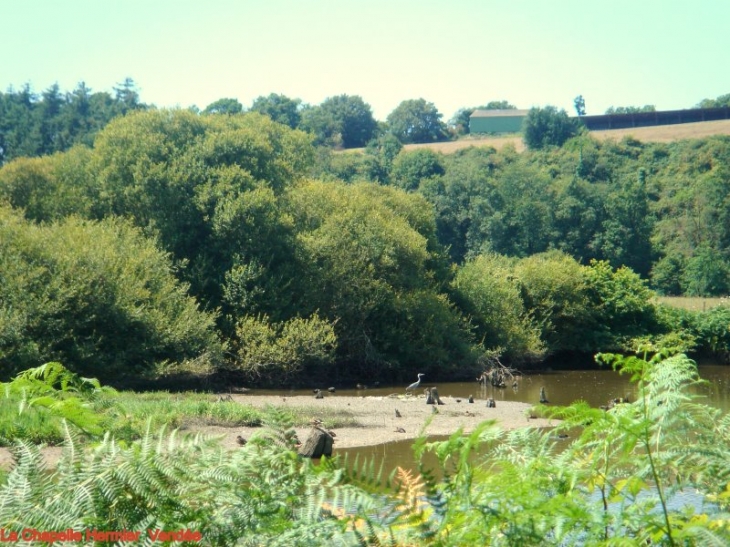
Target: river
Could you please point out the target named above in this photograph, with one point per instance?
(596, 387)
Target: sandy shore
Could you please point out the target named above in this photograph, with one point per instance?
(375, 416)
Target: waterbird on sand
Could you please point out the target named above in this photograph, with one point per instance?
(415, 384)
(240, 440)
(397, 414)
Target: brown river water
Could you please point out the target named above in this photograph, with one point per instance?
(596, 387)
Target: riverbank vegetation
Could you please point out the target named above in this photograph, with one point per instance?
(618, 478)
(226, 247)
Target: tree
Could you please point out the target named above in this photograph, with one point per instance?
(410, 168)
(224, 106)
(485, 289)
(279, 108)
(548, 126)
(719, 102)
(127, 95)
(344, 120)
(97, 295)
(416, 121)
(580, 105)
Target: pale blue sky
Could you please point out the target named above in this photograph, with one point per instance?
(454, 53)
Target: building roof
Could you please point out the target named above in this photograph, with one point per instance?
(512, 113)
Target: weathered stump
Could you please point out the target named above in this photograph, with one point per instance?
(433, 397)
(318, 444)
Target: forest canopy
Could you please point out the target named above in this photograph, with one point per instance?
(274, 259)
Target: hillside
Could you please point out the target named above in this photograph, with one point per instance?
(659, 133)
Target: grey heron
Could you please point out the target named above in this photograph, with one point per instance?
(415, 384)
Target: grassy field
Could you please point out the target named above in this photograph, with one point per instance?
(694, 303)
(660, 133)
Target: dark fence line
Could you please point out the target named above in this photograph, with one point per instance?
(646, 119)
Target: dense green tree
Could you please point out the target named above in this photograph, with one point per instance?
(207, 187)
(342, 121)
(384, 149)
(33, 125)
(412, 167)
(97, 296)
(279, 108)
(520, 225)
(548, 126)
(487, 291)
(622, 307)
(553, 288)
(706, 274)
(580, 105)
(368, 255)
(224, 106)
(719, 102)
(416, 121)
(627, 228)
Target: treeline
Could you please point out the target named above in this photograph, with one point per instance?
(660, 209)
(54, 121)
(34, 124)
(230, 245)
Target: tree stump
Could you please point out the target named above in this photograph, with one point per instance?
(318, 444)
(433, 397)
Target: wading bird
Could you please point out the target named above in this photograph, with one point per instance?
(415, 384)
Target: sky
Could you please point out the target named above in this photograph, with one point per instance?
(452, 53)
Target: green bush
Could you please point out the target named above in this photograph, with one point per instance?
(97, 296)
(280, 351)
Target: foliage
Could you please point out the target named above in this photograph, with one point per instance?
(371, 265)
(279, 108)
(342, 121)
(630, 109)
(33, 125)
(224, 106)
(410, 168)
(262, 493)
(281, 351)
(615, 480)
(719, 102)
(63, 394)
(613, 483)
(416, 121)
(554, 289)
(487, 292)
(97, 295)
(548, 126)
(621, 306)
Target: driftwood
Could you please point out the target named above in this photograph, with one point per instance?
(433, 397)
(499, 375)
(318, 444)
